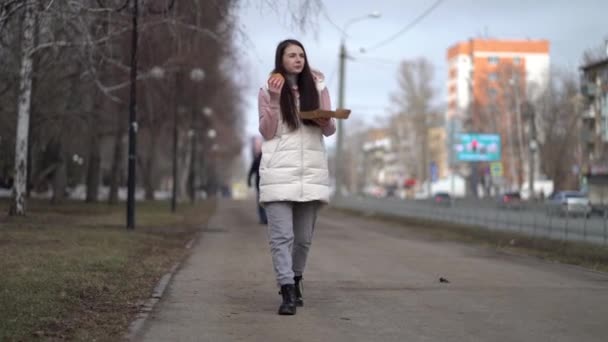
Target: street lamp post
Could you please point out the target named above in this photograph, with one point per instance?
(192, 171)
(134, 6)
(178, 110)
(196, 75)
(132, 122)
(341, 85)
(211, 134)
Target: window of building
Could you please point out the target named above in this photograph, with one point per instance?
(492, 76)
(452, 89)
(452, 105)
(453, 72)
(492, 93)
(516, 60)
(493, 60)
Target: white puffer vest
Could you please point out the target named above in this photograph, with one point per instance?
(294, 165)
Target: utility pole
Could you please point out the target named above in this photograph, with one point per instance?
(531, 149)
(340, 137)
(471, 113)
(527, 112)
(599, 143)
(452, 156)
(509, 112)
(520, 149)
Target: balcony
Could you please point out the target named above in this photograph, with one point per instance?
(589, 89)
(589, 113)
(587, 136)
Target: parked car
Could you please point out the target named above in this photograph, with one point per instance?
(443, 199)
(510, 200)
(571, 203)
(597, 192)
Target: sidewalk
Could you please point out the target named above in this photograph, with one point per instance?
(226, 289)
(372, 281)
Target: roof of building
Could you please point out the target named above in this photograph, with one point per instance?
(499, 45)
(595, 65)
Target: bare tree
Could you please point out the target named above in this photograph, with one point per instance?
(559, 127)
(46, 30)
(25, 97)
(596, 53)
(353, 159)
(74, 82)
(497, 109)
(414, 106)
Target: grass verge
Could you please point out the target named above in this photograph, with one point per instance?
(591, 256)
(73, 272)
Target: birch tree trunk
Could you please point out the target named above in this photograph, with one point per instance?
(116, 168)
(94, 164)
(60, 177)
(23, 113)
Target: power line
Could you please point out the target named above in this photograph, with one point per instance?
(328, 18)
(377, 61)
(408, 26)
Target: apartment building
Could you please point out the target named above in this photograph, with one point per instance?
(489, 81)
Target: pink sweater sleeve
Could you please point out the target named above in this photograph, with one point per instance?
(325, 103)
(269, 110)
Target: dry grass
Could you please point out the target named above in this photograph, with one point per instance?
(587, 255)
(73, 272)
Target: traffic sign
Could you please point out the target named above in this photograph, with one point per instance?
(496, 169)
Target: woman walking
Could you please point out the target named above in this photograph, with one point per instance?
(294, 177)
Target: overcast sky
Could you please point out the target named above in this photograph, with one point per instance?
(570, 26)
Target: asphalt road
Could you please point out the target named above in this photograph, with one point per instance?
(368, 280)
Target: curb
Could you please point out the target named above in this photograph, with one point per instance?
(137, 325)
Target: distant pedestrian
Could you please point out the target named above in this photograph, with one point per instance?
(294, 177)
(255, 170)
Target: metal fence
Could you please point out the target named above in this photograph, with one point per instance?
(531, 218)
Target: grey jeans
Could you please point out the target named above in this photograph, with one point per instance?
(290, 229)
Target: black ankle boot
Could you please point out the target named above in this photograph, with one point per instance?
(299, 290)
(288, 307)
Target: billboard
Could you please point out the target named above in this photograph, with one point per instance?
(477, 147)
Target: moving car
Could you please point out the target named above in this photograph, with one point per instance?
(443, 199)
(510, 200)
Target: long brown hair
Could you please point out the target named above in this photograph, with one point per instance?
(309, 96)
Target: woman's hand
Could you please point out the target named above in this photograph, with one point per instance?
(322, 121)
(275, 83)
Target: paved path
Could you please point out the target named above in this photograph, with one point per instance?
(372, 281)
